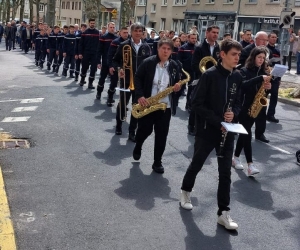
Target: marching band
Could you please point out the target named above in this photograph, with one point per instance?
(223, 80)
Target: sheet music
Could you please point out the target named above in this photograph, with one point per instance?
(234, 128)
(122, 89)
(279, 70)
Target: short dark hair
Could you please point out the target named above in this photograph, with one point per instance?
(212, 27)
(66, 27)
(226, 34)
(83, 25)
(247, 30)
(123, 28)
(71, 26)
(271, 33)
(250, 62)
(56, 26)
(92, 20)
(171, 32)
(163, 41)
(229, 44)
(136, 26)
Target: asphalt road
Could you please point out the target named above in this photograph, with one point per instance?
(78, 187)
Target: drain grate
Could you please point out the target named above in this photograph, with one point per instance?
(7, 142)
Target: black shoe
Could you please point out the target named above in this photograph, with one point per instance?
(76, 78)
(109, 102)
(48, 68)
(91, 86)
(137, 151)
(64, 73)
(272, 119)
(158, 168)
(98, 96)
(131, 136)
(118, 130)
(82, 82)
(262, 138)
(71, 75)
(191, 131)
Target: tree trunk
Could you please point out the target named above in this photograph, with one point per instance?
(22, 3)
(4, 11)
(8, 10)
(37, 5)
(15, 6)
(30, 11)
(51, 13)
(1, 8)
(295, 93)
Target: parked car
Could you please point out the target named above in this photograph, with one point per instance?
(149, 29)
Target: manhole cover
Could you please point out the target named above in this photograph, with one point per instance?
(6, 142)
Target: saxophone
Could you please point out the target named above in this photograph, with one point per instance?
(259, 102)
(139, 111)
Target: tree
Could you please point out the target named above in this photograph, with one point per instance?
(31, 11)
(1, 8)
(22, 3)
(37, 6)
(8, 10)
(51, 12)
(15, 6)
(91, 8)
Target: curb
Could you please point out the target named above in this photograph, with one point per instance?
(288, 101)
(7, 235)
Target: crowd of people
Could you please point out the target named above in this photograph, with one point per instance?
(144, 67)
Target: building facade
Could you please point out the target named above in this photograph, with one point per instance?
(231, 16)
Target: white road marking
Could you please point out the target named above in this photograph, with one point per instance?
(1, 129)
(14, 100)
(33, 100)
(16, 119)
(22, 109)
(279, 149)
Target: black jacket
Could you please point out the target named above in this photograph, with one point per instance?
(1, 30)
(69, 44)
(137, 58)
(154, 47)
(78, 37)
(212, 97)
(185, 54)
(202, 51)
(244, 43)
(113, 49)
(103, 47)
(35, 34)
(143, 80)
(89, 42)
(24, 34)
(53, 41)
(252, 81)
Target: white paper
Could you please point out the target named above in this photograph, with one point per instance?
(279, 70)
(195, 82)
(122, 89)
(234, 128)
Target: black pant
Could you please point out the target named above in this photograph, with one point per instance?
(273, 98)
(42, 57)
(69, 60)
(289, 60)
(103, 74)
(8, 43)
(244, 141)
(87, 60)
(113, 81)
(160, 121)
(37, 55)
(52, 57)
(121, 110)
(77, 66)
(60, 58)
(260, 122)
(202, 148)
(27, 45)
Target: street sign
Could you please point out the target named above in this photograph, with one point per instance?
(287, 19)
(114, 13)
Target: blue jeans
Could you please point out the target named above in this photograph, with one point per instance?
(298, 62)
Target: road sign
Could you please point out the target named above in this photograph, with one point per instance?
(287, 19)
(114, 13)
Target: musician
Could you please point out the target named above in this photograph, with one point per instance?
(154, 75)
(102, 52)
(87, 52)
(209, 47)
(139, 51)
(261, 39)
(275, 84)
(112, 71)
(210, 102)
(254, 75)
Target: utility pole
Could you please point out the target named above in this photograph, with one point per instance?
(236, 23)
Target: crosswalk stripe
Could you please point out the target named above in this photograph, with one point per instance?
(33, 100)
(16, 119)
(22, 109)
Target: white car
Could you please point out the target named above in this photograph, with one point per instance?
(149, 31)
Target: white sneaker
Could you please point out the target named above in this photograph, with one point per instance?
(185, 200)
(226, 221)
(252, 170)
(236, 163)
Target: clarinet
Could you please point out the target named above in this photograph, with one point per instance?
(232, 90)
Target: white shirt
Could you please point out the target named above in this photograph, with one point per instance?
(211, 48)
(136, 46)
(161, 82)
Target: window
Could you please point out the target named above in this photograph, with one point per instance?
(63, 5)
(76, 5)
(77, 21)
(139, 19)
(79, 7)
(164, 2)
(252, 1)
(73, 5)
(275, 1)
(162, 24)
(41, 7)
(210, 1)
(70, 20)
(297, 2)
(153, 8)
(196, 1)
(179, 2)
(228, 1)
(142, 2)
(68, 5)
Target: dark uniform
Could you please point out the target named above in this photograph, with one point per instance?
(69, 48)
(39, 47)
(78, 61)
(103, 47)
(244, 43)
(60, 49)
(53, 46)
(113, 78)
(88, 49)
(43, 50)
(137, 58)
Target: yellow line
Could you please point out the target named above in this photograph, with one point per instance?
(7, 235)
